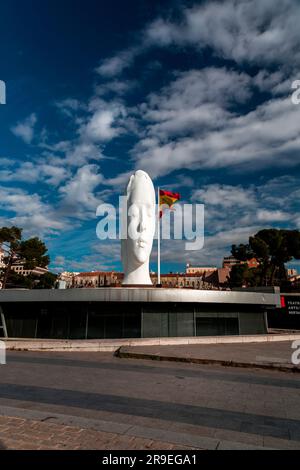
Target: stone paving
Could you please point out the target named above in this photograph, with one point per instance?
(98, 401)
(25, 434)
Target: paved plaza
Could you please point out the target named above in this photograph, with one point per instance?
(98, 401)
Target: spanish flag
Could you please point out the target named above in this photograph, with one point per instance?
(167, 197)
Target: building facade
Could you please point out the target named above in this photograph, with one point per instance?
(98, 279)
(200, 270)
(20, 269)
(230, 261)
(134, 312)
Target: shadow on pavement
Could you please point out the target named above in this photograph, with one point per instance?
(240, 421)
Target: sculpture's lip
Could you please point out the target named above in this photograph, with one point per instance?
(141, 243)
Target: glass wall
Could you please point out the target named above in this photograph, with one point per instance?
(69, 320)
(97, 320)
(161, 320)
(218, 323)
(208, 326)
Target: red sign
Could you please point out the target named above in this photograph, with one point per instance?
(282, 302)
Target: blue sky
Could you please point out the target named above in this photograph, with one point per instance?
(196, 93)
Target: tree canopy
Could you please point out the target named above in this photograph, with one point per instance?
(31, 252)
(272, 248)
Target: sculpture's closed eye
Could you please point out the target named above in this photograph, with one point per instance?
(134, 215)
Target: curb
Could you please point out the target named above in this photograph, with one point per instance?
(194, 360)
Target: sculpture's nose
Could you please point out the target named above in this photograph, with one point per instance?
(142, 224)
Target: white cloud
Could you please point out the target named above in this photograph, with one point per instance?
(25, 129)
(225, 196)
(94, 123)
(246, 31)
(30, 212)
(5, 162)
(59, 261)
(253, 31)
(115, 65)
(267, 135)
(100, 127)
(53, 175)
(119, 181)
(30, 172)
(24, 172)
(69, 106)
(82, 152)
(193, 102)
(216, 246)
(102, 255)
(193, 121)
(117, 87)
(78, 194)
(267, 216)
(97, 123)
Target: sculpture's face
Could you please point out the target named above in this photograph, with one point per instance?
(141, 220)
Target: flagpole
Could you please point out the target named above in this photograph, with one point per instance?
(158, 237)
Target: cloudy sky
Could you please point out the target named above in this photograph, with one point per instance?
(198, 94)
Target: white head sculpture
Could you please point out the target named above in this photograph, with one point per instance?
(136, 249)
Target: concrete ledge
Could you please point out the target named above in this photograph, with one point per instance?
(112, 345)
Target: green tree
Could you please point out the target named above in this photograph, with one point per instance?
(272, 248)
(237, 276)
(10, 238)
(17, 281)
(243, 276)
(31, 252)
(46, 281)
(241, 252)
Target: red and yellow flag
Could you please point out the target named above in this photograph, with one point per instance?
(167, 197)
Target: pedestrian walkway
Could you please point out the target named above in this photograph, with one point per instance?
(99, 401)
(269, 355)
(27, 434)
